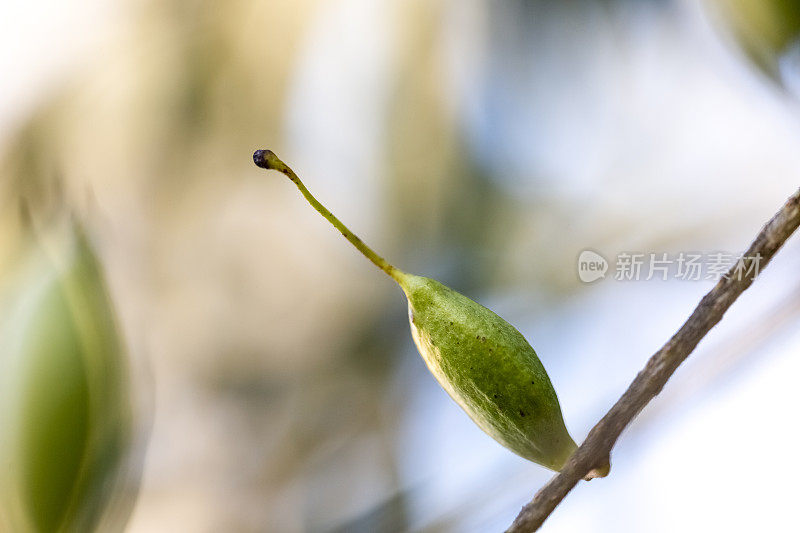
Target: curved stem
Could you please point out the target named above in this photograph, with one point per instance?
(267, 159)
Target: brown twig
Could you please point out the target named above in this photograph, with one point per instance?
(649, 382)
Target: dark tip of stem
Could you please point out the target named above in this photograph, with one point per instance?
(264, 159)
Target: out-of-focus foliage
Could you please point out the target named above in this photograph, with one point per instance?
(766, 29)
(65, 413)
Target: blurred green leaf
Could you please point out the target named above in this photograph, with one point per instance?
(66, 416)
(764, 28)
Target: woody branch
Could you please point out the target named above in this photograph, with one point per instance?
(660, 367)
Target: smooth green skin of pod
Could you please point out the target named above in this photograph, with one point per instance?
(489, 369)
(66, 416)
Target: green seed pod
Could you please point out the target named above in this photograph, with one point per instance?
(481, 360)
(489, 369)
(64, 408)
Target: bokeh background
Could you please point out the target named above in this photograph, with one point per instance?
(482, 143)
